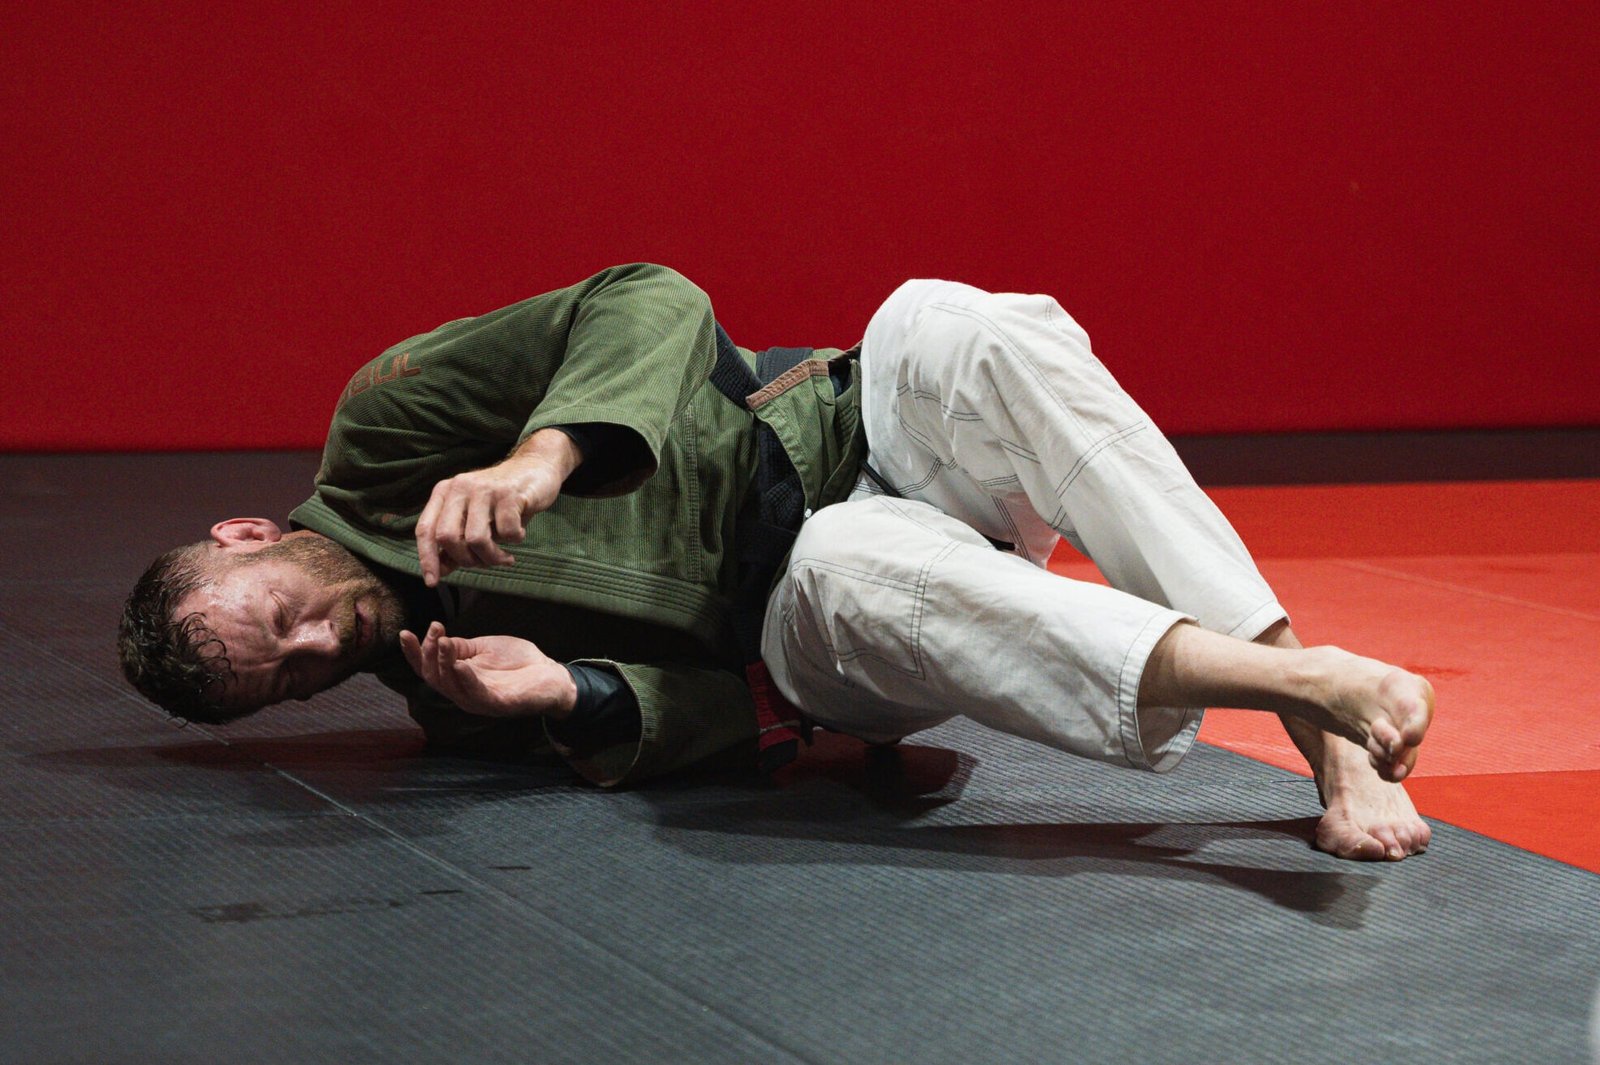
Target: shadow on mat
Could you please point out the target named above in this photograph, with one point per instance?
(368, 771)
(849, 805)
(843, 803)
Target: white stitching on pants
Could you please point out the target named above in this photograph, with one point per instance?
(866, 576)
(920, 600)
(1010, 523)
(951, 412)
(1018, 450)
(1019, 353)
(1094, 452)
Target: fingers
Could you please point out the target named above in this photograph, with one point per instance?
(459, 526)
(479, 533)
(411, 647)
(441, 545)
(444, 664)
(447, 655)
(468, 690)
(427, 539)
(423, 655)
(508, 522)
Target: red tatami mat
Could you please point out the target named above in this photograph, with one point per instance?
(1554, 814)
(1492, 591)
(1458, 518)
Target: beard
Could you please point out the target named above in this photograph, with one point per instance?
(332, 565)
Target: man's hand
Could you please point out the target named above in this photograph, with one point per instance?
(467, 513)
(492, 676)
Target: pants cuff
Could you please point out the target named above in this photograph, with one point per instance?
(1157, 737)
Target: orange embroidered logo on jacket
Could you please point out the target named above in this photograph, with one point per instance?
(376, 373)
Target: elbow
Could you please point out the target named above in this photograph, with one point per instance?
(668, 285)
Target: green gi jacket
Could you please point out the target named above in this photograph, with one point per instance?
(635, 575)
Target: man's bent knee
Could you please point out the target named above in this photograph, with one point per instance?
(877, 533)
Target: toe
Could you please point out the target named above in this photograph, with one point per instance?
(1417, 714)
(1366, 849)
(1343, 839)
(1387, 768)
(1383, 739)
(1421, 836)
(1406, 763)
(1387, 838)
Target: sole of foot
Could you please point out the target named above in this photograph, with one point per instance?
(1382, 707)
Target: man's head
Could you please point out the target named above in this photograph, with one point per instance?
(251, 617)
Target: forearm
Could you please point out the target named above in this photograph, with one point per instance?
(550, 448)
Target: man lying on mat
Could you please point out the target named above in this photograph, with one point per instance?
(588, 521)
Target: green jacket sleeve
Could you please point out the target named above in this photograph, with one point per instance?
(641, 342)
(687, 715)
(628, 347)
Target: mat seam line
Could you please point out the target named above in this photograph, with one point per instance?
(1463, 589)
(531, 911)
(405, 844)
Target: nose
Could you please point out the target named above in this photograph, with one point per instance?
(318, 638)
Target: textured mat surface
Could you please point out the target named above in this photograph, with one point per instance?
(311, 888)
(1509, 638)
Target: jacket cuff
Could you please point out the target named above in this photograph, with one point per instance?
(606, 713)
(613, 456)
(627, 471)
(613, 763)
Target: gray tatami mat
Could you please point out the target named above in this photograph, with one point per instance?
(311, 888)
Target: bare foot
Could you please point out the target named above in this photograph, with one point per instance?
(1380, 707)
(1368, 819)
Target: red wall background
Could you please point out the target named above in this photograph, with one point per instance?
(1268, 216)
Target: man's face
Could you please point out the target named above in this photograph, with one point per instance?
(297, 616)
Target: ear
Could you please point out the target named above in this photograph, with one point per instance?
(246, 533)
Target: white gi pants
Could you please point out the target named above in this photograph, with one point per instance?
(989, 413)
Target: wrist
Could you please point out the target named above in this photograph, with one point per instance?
(550, 448)
(565, 698)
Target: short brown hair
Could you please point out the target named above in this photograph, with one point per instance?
(177, 663)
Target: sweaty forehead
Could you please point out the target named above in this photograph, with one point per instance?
(237, 608)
